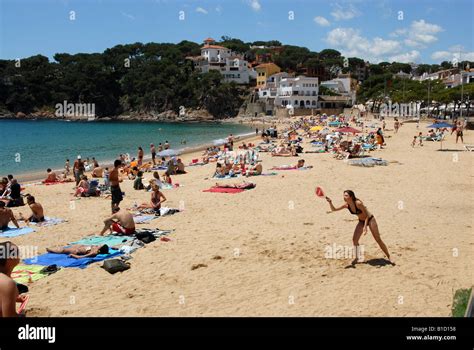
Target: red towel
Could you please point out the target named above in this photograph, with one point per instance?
(224, 190)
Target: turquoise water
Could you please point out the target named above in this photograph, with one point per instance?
(29, 146)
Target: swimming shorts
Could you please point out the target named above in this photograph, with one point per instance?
(116, 227)
(116, 194)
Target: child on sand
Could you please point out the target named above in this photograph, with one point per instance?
(413, 143)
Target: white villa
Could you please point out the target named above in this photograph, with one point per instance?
(343, 86)
(299, 92)
(215, 57)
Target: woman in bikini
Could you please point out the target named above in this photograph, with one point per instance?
(366, 219)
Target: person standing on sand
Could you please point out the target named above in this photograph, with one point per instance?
(459, 131)
(396, 125)
(67, 168)
(366, 219)
(420, 139)
(153, 153)
(115, 180)
(78, 169)
(140, 156)
(160, 147)
(167, 145)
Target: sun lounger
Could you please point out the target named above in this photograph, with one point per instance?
(15, 232)
(64, 260)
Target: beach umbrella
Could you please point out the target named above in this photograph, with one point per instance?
(440, 125)
(168, 153)
(348, 129)
(316, 128)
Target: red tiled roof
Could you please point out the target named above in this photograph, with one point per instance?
(213, 47)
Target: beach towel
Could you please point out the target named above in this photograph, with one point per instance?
(163, 211)
(224, 190)
(64, 260)
(155, 231)
(140, 219)
(368, 162)
(15, 232)
(292, 168)
(48, 222)
(27, 273)
(269, 174)
(111, 240)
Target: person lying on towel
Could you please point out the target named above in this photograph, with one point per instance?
(120, 222)
(81, 251)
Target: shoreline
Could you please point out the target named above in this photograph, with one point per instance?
(32, 177)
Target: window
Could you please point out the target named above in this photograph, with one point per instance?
(296, 102)
(308, 103)
(313, 103)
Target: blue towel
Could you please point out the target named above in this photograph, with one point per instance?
(14, 232)
(64, 260)
(110, 240)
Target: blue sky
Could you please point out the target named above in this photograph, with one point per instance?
(426, 31)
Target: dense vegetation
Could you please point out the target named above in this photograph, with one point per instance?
(154, 78)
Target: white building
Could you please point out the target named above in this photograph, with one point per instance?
(342, 86)
(299, 92)
(269, 90)
(215, 57)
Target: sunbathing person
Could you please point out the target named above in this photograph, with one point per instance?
(98, 172)
(8, 288)
(82, 188)
(243, 185)
(254, 170)
(220, 170)
(282, 151)
(121, 222)
(14, 198)
(6, 215)
(52, 177)
(81, 251)
(180, 167)
(138, 184)
(37, 212)
(157, 197)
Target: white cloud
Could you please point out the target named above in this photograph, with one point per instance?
(255, 5)
(201, 10)
(398, 33)
(129, 16)
(412, 56)
(422, 33)
(454, 53)
(352, 43)
(219, 9)
(323, 22)
(340, 13)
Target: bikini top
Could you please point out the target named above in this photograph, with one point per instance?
(357, 212)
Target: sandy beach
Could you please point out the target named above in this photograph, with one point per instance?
(263, 252)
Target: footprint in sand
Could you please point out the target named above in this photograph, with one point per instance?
(197, 266)
(217, 257)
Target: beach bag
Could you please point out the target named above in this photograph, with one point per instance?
(115, 265)
(145, 237)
